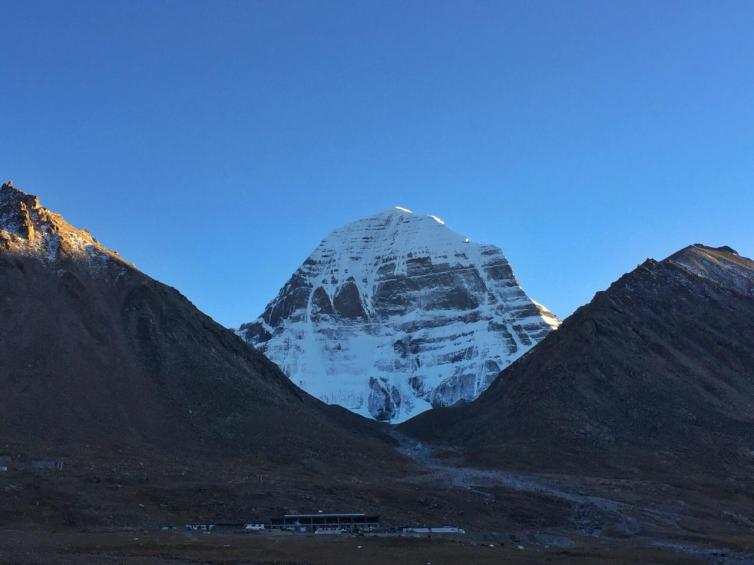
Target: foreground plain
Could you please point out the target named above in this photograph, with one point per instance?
(37, 547)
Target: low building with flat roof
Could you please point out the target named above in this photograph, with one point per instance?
(51, 464)
(433, 530)
(321, 520)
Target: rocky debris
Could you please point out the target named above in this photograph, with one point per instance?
(396, 313)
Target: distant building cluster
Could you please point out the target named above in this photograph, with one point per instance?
(321, 523)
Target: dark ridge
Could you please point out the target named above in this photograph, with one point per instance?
(655, 372)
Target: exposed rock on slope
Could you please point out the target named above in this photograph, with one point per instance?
(26, 228)
(396, 313)
(657, 370)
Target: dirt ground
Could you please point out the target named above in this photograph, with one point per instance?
(104, 514)
(30, 547)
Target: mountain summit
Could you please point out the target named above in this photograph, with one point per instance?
(722, 265)
(396, 313)
(27, 228)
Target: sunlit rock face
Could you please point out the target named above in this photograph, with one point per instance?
(396, 313)
(29, 229)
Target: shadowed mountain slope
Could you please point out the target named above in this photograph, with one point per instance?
(656, 371)
(94, 352)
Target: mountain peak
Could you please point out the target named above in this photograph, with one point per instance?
(9, 193)
(9, 188)
(396, 230)
(722, 265)
(395, 313)
(28, 228)
(19, 214)
(701, 248)
(408, 214)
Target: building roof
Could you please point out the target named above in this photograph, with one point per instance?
(324, 515)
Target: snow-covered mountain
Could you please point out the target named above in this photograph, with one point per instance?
(396, 313)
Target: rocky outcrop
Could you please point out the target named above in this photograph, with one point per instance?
(29, 229)
(396, 313)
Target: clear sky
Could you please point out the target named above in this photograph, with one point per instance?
(214, 144)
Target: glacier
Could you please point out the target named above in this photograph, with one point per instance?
(396, 313)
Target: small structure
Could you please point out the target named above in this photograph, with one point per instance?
(434, 530)
(204, 528)
(320, 521)
(329, 531)
(53, 464)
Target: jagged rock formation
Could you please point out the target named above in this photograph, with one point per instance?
(656, 372)
(396, 313)
(27, 228)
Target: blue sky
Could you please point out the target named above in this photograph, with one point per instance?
(214, 144)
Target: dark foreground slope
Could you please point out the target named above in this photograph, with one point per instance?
(93, 351)
(147, 400)
(657, 372)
